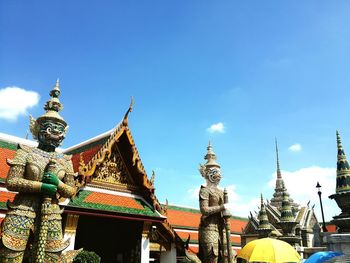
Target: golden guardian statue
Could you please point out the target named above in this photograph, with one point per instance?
(214, 231)
(32, 228)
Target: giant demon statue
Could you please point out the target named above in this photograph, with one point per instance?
(214, 226)
(32, 228)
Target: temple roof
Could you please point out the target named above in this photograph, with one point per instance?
(111, 201)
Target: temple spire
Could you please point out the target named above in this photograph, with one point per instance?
(277, 198)
(279, 175)
(264, 227)
(279, 180)
(343, 169)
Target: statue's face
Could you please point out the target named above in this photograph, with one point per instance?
(51, 133)
(214, 175)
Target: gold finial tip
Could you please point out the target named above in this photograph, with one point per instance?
(210, 147)
(57, 85)
(125, 119)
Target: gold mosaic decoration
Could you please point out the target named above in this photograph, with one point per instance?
(112, 171)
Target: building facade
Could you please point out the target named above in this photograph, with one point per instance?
(115, 212)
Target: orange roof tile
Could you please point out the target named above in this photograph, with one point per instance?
(4, 155)
(86, 154)
(184, 235)
(237, 225)
(183, 218)
(192, 219)
(331, 228)
(6, 196)
(113, 200)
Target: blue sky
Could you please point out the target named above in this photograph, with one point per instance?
(263, 69)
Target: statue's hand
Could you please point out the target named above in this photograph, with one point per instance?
(48, 189)
(50, 178)
(227, 212)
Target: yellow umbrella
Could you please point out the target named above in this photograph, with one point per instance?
(269, 250)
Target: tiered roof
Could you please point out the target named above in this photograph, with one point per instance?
(277, 198)
(343, 169)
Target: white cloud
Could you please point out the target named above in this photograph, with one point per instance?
(15, 101)
(301, 185)
(295, 147)
(217, 127)
(193, 193)
(238, 206)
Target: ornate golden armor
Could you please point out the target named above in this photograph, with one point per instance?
(212, 235)
(32, 228)
(211, 228)
(25, 175)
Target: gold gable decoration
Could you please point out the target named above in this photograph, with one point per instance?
(112, 173)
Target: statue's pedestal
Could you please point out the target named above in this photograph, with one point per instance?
(339, 242)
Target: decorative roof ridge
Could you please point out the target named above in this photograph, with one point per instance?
(311, 213)
(273, 211)
(182, 207)
(254, 221)
(137, 161)
(89, 168)
(91, 140)
(126, 119)
(118, 193)
(308, 217)
(18, 140)
(300, 216)
(111, 192)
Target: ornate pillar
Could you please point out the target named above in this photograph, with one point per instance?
(145, 242)
(70, 230)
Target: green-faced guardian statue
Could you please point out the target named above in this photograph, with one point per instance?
(32, 228)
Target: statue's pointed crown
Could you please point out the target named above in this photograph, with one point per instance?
(211, 157)
(53, 106)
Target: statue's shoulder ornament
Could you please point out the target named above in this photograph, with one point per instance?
(204, 192)
(21, 155)
(67, 157)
